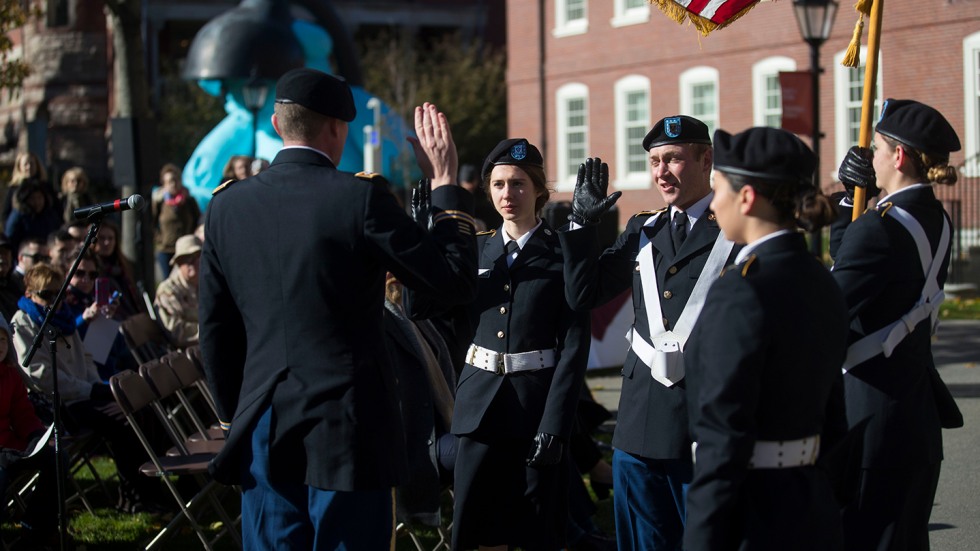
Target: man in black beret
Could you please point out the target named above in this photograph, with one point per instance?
(675, 251)
(291, 302)
(892, 264)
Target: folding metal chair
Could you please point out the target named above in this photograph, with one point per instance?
(133, 393)
(146, 338)
(173, 405)
(194, 385)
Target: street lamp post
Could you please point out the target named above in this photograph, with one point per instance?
(254, 94)
(815, 19)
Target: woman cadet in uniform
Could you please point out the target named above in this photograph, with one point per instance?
(891, 265)
(763, 371)
(516, 396)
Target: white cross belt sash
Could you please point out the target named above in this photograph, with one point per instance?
(884, 340)
(664, 353)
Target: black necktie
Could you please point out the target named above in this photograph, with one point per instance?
(679, 229)
(511, 248)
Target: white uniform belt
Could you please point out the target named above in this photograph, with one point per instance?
(502, 364)
(782, 454)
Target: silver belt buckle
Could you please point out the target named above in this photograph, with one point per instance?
(499, 364)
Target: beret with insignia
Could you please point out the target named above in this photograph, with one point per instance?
(766, 153)
(513, 151)
(679, 129)
(918, 125)
(317, 91)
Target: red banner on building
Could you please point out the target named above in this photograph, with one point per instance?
(797, 94)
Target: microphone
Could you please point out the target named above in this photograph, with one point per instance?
(134, 202)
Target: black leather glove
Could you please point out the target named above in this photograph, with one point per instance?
(422, 203)
(857, 170)
(546, 451)
(101, 393)
(589, 201)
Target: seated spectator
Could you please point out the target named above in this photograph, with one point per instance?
(20, 432)
(426, 388)
(34, 214)
(80, 299)
(78, 229)
(116, 267)
(74, 193)
(32, 251)
(11, 287)
(88, 402)
(62, 248)
(176, 298)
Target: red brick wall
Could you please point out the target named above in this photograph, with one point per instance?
(922, 50)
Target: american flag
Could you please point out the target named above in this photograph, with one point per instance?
(705, 15)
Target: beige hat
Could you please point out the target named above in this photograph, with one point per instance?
(186, 246)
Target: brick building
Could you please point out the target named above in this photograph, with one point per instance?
(589, 78)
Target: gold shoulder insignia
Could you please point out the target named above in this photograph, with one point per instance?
(712, 217)
(223, 186)
(883, 208)
(370, 176)
(491, 233)
(748, 264)
(650, 212)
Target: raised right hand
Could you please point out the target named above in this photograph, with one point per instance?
(589, 201)
(434, 147)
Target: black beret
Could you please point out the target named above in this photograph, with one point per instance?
(917, 125)
(764, 152)
(678, 129)
(317, 91)
(513, 151)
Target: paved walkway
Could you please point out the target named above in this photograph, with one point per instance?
(956, 349)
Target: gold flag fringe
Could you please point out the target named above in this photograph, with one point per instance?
(704, 25)
(852, 57)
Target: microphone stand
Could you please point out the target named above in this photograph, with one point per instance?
(52, 334)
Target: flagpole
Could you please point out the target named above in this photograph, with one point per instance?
(868, 100)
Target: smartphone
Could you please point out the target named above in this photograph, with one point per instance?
(103, 290)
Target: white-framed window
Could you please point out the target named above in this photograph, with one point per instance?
(767, 98)
(848, 99)
(699, 96)
(971, 95)
(630, 12)
(572, 104)
(632, 123)
(571, 17)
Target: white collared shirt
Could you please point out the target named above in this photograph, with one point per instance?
(311, 149)
(888, 197)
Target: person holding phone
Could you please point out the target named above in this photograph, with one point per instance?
(89, 297)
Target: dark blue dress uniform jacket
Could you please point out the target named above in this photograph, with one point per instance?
(652, 419)
(763, 363)
(878, 268)
(519, 309)
(292, 291)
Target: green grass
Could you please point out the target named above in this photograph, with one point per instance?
(960, 309)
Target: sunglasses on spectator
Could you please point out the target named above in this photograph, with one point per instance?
(46, 295)
(89, 274)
